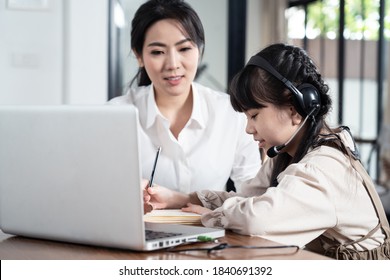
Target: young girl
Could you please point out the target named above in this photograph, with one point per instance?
(312, 191)
(188, 120)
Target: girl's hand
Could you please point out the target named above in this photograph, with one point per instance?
(196, 209)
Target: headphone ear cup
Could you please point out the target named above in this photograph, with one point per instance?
(310, 99)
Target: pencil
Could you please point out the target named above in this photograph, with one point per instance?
(154, 167)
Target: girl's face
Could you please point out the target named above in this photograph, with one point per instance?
(170, 58)
(273, 126)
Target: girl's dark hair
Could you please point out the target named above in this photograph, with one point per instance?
(252, 87)
(156, 10)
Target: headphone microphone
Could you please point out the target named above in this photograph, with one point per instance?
(275, 150)
(306, 99)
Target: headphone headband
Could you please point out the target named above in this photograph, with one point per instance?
(306, 95)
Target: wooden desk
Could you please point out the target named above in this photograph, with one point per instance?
(17, 248)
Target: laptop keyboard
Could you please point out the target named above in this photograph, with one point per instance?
(151, 234)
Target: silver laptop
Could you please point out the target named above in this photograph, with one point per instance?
(72, 173)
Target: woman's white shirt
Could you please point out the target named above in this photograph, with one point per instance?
(212, 146)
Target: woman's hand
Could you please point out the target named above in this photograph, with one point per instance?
(196, 209)
(159, 197)
(148, 207)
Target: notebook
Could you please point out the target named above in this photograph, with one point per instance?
(173, 216)
(72, 173)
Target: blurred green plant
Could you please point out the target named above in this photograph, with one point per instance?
(361, 19)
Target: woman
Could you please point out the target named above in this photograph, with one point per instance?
(188, 120)
(312, 191)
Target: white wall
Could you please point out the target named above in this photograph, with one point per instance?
(86, 51)
(254, 32)
(53, 51)
(214, 16)
(31, 48)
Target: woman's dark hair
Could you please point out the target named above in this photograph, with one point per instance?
(252, 87)
(155, 10)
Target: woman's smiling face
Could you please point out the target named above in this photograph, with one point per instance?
(170, 58)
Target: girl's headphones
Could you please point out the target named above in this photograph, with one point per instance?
(306, 98)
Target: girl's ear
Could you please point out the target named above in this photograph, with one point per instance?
(296, 118)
